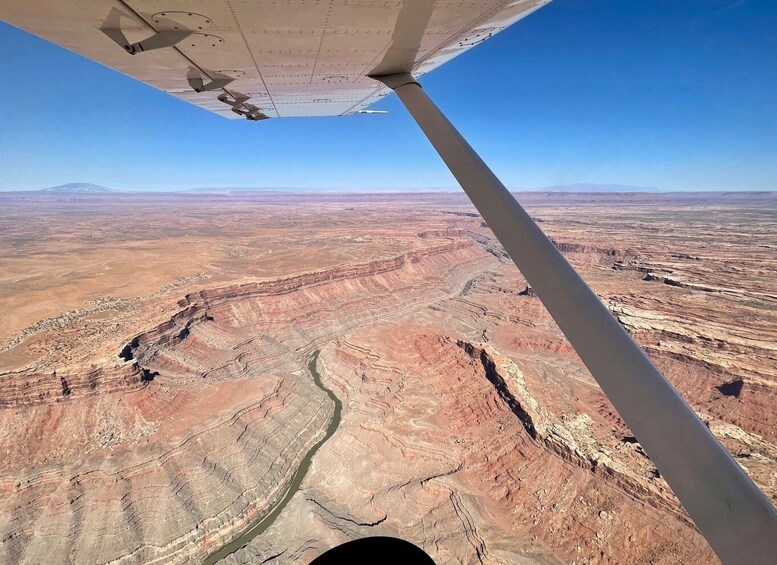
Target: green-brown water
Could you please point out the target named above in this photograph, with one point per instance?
(266, 521)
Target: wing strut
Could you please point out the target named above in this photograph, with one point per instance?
(737, 519)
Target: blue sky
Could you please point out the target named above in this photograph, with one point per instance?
(680, 95)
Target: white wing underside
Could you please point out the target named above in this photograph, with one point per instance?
(268, 58)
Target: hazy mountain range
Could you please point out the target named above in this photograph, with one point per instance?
(90, 188)
(576, 187)
(591, 187)
(77, 187)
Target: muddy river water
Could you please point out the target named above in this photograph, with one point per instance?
(266, 521)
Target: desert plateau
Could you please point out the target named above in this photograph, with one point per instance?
(258, 377)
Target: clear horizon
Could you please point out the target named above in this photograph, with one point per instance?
(570, 189)
(677, 96)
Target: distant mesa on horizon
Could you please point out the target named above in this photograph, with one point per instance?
(77, 187)
(573, 188)
(309, 190)
(593, 187)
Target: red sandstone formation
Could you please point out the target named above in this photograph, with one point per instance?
(157, 427)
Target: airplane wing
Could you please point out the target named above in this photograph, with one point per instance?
(264, 58)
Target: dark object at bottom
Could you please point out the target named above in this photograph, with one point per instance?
(375, 550)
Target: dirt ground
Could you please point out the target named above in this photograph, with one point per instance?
(155, 398)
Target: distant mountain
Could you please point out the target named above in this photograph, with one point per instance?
(591, 187)
(310, 190)
(228, 189)
(77, 187)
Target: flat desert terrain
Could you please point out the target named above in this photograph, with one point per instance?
(257, 377)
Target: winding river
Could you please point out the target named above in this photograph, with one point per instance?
(265, 522)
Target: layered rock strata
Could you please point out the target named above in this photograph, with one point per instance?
(156, 427)
(447, 444)
(170, 454)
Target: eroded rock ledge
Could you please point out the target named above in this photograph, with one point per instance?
(29, 388)
(197, 307)
(170, 469)
(569, 436)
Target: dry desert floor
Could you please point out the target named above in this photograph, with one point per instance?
(257, 377)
